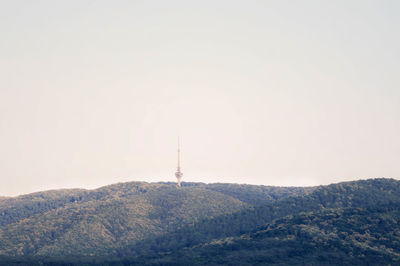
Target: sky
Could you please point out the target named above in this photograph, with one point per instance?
(288, 93)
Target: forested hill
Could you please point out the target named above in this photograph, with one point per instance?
(98, 222)
(348, 236)
(157, 223)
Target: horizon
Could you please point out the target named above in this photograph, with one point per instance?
(281, 93)
(190, 182)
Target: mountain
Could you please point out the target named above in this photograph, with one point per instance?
(159, 224)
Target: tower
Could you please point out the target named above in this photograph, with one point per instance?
(178, 173)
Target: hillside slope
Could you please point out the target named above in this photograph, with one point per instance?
(140, 223)
(355, 194)
(102, 221)
(350, 236)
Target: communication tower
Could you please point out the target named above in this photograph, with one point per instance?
(178, 173)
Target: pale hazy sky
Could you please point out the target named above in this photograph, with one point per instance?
(261, 92)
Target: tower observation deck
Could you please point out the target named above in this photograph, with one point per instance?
(178, 173)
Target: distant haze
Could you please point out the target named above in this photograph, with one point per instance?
(260, 92)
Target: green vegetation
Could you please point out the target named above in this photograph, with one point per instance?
(348, 236)
(159, 224)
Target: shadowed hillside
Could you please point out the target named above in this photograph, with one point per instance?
(357, 194)
(361, 236)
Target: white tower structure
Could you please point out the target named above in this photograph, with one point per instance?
(178, 173)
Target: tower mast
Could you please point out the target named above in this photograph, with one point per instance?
(178, 173)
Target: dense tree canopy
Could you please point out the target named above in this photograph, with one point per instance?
(157, 223)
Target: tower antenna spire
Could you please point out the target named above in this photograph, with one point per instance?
(178, 173)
